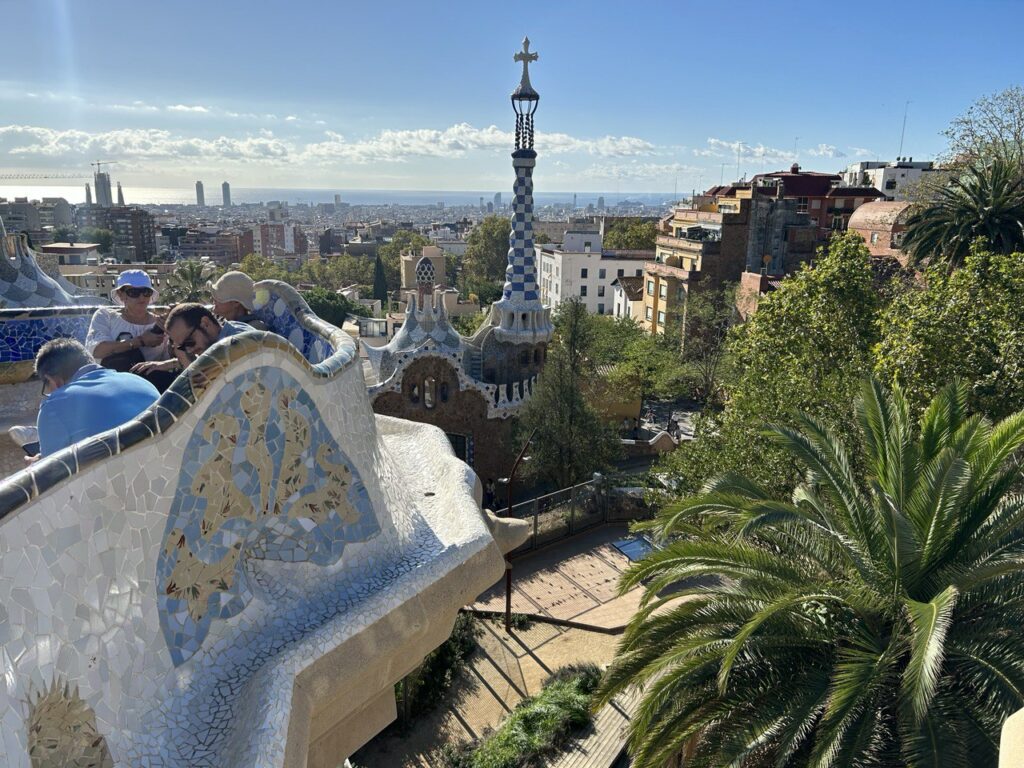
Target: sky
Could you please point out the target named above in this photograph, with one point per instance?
(640, 96)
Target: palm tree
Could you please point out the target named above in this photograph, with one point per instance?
(872, 620)
(188, 282)
(987, 201)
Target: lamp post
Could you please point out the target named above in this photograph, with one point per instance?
(507, 482)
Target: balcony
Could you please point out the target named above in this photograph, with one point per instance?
(695, 247)
(664, 270)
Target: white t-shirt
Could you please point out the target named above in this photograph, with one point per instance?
(107, 324)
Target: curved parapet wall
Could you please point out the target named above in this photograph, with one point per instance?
(23, 283)
(239, 576)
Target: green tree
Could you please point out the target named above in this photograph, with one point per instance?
(104, 238)
(380, 283)
(872, 619)
(487, 252)
(571, 440)
(966, 324)
(331, 306)
(986, 201)
(390, 254)
(64, 234)
(631, 234)
(709, 316)
(261, 268)
(804, 350)
(992, 128)
(188, 282)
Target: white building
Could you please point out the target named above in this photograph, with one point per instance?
(581, 268)
(891, 179)
(628, 297)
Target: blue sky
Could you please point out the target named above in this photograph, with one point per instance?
(402, 95)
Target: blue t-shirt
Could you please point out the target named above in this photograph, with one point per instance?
(94, 400)
(231, 327)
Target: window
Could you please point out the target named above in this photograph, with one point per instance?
(600, 309)
(414, 396)
(639, 272)
(429, 392)
(650, 313)
(897, 240)
(583, 273)
(874, 238)
(840, 204)
(661, 318)
(600, 290)
(621, 273)
(601, 274)
(663, 291)
(801, 205)
(583, 290)
(586, 246)
(650, 287)
(838, 223)
(444, 392)
(890, 184)
(815, 204)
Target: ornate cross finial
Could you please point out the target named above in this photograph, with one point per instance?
(526, 57)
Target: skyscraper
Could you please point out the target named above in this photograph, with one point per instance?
(120, 194)
(337, 199)
(497, 201)
(225, 190)
(88, 194)
(101, 181)
(600, 203)
(200, 197)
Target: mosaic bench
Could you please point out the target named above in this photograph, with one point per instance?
(239, 576)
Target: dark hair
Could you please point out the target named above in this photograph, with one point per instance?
(190, 313)
(61, 358)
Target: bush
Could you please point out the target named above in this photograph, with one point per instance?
(427, 685)
(538, 727)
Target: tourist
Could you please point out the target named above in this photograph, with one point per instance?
(489, 494)
(234, 297)
(82, 399)
(192, 329)
(126, 337)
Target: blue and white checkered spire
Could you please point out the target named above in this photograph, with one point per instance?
(520, 315)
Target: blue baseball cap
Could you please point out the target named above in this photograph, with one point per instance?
(133, 278)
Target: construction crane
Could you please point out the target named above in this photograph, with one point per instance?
(100, 163)
(41, 176)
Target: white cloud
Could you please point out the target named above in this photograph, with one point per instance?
(291, 118)
(197, 108)
(135, 106)
(722, 148)
(637, 171)
(825, 150)
(862, 152)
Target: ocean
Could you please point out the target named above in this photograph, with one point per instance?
(187, 196)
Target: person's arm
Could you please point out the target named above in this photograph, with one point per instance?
(99, 341)
(53, 435)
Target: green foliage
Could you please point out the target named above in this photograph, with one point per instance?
(390, 255)
(986, 201)
(486, 292)
(467, 325)
(709, 316)
(332, 307)
(571, 441)
(966, 324)
(103, 237)
(380, 282)
(188, 282)
(871, 619)
(538, 727)
(64, 234)
(261, 268)
(804, 350)
(427, 686)
(992, 128)
(487, 252)
(631, 234)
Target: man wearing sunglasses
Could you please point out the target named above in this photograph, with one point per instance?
(192, 329)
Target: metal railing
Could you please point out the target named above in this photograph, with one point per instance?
(569, 511)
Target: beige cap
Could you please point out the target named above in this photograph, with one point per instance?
(235, 286)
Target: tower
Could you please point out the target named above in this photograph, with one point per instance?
(120, 194)
(102, 182)
(88, 194)
(519, 317)
(225, 190)
(200, 197)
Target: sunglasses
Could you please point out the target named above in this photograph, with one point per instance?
(189, 342)
(134, 293)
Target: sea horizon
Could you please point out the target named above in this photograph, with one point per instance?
(249, 195)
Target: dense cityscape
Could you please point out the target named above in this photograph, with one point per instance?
(338, 435)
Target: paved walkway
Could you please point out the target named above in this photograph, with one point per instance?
(575, 579)
(607, 736)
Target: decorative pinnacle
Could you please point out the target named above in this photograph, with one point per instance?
(525, 90)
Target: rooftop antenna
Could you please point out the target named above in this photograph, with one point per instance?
(739, 148)
(675, 189)
(903, 132)
(796, 141)
(721, 176)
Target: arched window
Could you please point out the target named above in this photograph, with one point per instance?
(414, 396)
(429, 392)
(443, 392)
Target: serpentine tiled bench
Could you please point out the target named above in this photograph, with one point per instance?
(239, 576)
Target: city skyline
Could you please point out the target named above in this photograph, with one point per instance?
(630, 103)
